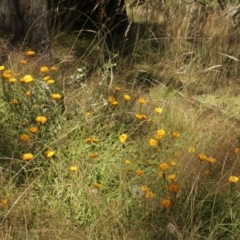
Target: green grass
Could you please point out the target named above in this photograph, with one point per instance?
(94, 186)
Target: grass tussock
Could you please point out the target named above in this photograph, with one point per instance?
(140, 144)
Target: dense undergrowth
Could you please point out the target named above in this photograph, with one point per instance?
(136, 145)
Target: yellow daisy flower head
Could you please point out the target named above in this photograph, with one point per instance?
(148, 194)
(128, 162)
(211, 160)
(29, 93)
(44, 69)
(91, 140)
(46, 78)
(73, 168)
(160, 134)
(49, 153)
(171, 177)
(97, 185)
(30, 53)
(139, 172)
(166, 203)
(54, 68)
(33, 130)
(127, 97)
(50, 81)
(152, 142)
(202, 157)
(27, 79)
(41, 119)
(233, 179)
(141, 100)
(111, 99)
(173, 187)
(93, 155)
(175, 134)
(7, 74)
(158, 110)
(117, 88)
(27, 156)
(2, 68)
(24, 137)
(14, 101)
(237, 150)
(23, 61)
(12, 80)
(191, 149)
(123, 138)
(144, 188)
(56, 96)
(163, 166)
(4, 202)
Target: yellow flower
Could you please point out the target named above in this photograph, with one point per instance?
(50, 81)
(117, 88)
(171, 177)
(166, 203)
(211, 160)
(24, 123)
(46, 78)
(233, 179)
(44, 69)
(173, 163)
(4, 202)
(54, 68)
(27, 79)
(160, 134)
(202, 157)
(173, 187)
(56, 96)
(91, 140)
(139, 172)
(141, 100)
(24, 138)
(163, 166)
(23, 61)
(127, 97)
(191, 149)
(41, 119)
(128, 162)
(30, 53)
(138, 116)
(158, 110)
(148, 194)
(14, 101)
(152, 142)
(12, 80)
(93, 155)
(97, 185)
(33, 129)
(73, 168)
(27, 156)
(29, 93)
(237, 150)
(114, 103)
(2, 68)
(7, 74)
(111, 99)
(144, 188)
(175, 134)
(49, 153)
(123, 138)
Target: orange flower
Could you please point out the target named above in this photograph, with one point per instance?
(44, 69)
(173, 187)
(141, 100)
(93, 155)
(33, 129)
(97, 185)
(163, 166)
(30, 53)
(139, 172)
(27, 156)
(166, 203)
(24, 137)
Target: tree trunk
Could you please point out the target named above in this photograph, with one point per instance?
(29, 20)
